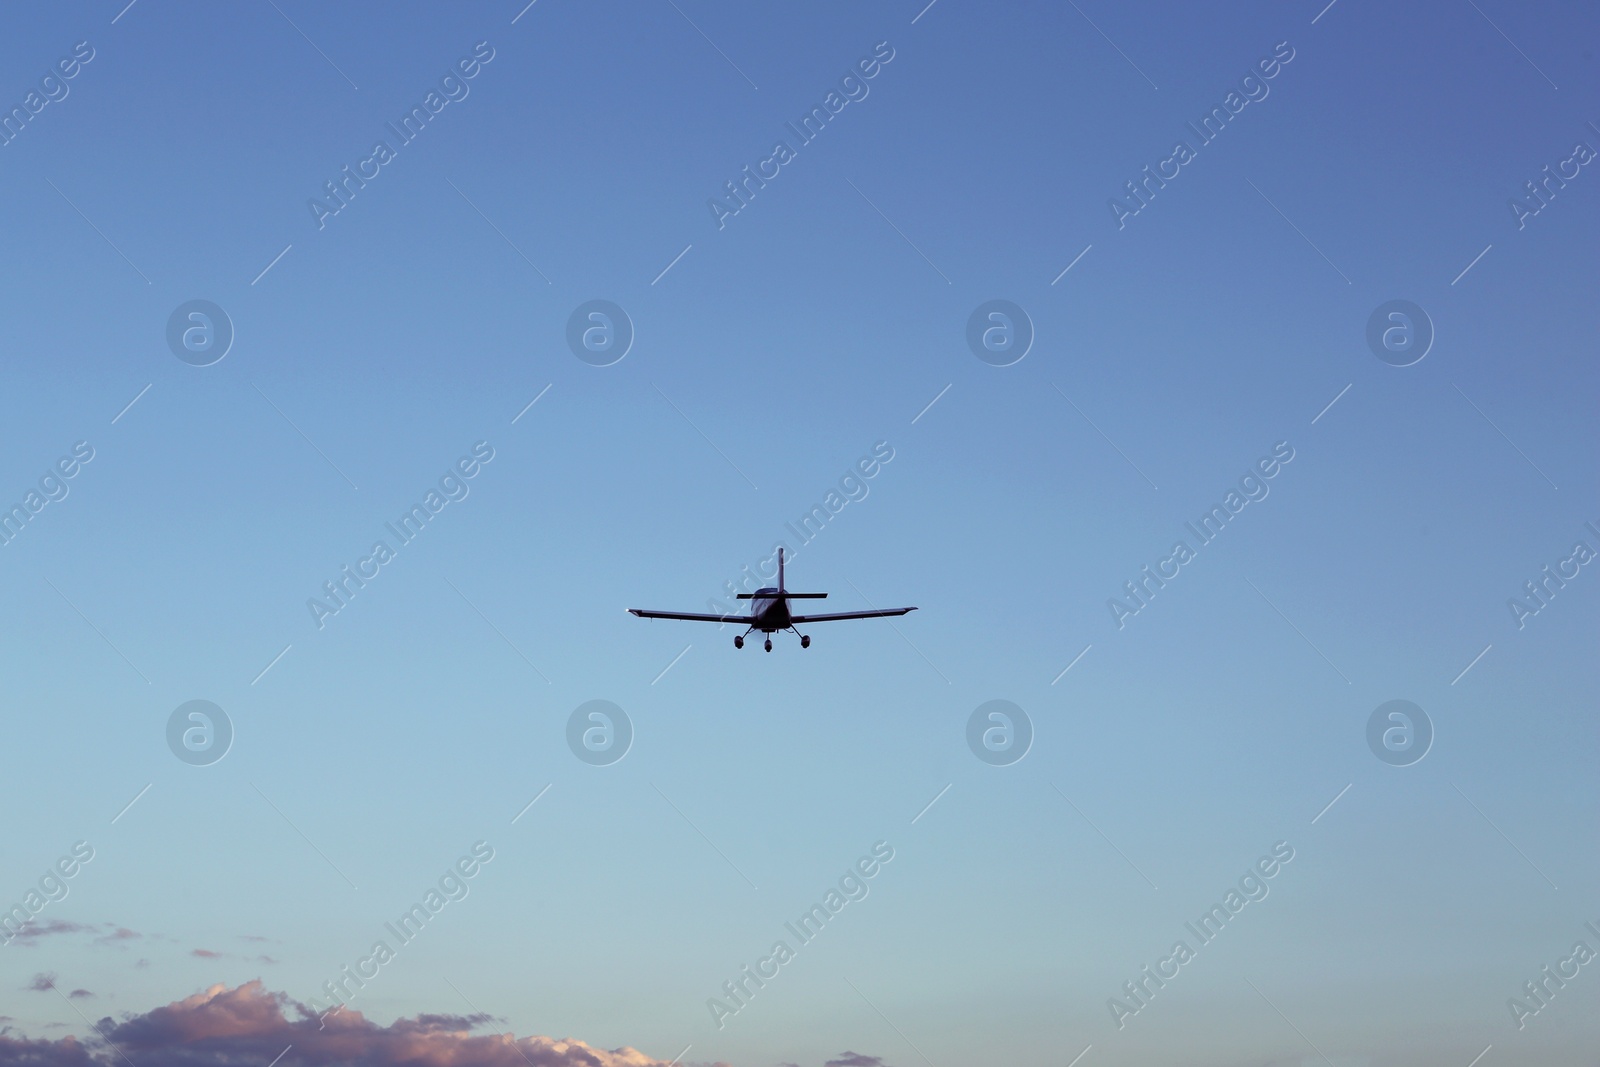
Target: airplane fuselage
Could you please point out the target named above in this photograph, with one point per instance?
(770, 610)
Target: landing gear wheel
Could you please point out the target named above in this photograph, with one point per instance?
(805, 640)
(769, 644)
(738, 640)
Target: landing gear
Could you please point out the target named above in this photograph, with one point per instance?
(805, 641)
(769, 644)
(738, 640)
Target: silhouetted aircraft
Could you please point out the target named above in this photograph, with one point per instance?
(770, 612)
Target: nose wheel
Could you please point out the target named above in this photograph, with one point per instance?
(769, 644)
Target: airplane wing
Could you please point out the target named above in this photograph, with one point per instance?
(688, 616)
(852, 615)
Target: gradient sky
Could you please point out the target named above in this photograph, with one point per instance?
(774, 353)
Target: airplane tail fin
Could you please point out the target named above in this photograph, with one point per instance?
(782, 589)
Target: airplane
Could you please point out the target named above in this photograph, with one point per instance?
(770, 612)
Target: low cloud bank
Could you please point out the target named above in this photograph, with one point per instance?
(225, 1027)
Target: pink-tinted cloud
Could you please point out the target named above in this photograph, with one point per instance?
(79, 994)
(109, 933)
(31, 932)
(223, 1026)
(117, 934)
(855, 1059)
(42, 982)
(210, 954)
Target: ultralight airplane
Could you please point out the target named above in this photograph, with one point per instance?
(770, 612)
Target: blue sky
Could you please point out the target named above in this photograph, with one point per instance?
(771, 353)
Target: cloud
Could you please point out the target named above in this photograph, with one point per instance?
(120, 933)
(79, 994)
(855, 1059)
(42, 982)
(30, 932)
(248, 1024)
(210, 954)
